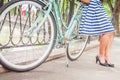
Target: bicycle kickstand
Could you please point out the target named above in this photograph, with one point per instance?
(67, 60)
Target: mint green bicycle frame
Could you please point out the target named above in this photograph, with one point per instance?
(53, 6)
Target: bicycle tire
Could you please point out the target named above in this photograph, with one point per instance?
(76, 46)
(77, 42)
(29, 52)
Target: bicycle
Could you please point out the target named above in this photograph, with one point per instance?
(25, 35)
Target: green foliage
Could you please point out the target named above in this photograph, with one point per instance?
(65, 5)
(107, 8)
(5, 1)
(64, 8)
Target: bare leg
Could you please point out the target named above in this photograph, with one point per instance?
(105, 44)
(107, 51)
(102, 49)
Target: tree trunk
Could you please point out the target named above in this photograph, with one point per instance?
(110, 5)
(71, 10)
(116, 13)
(1, 2)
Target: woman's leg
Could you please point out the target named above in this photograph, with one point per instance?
(102, 49)
(105, 44)
(108, 47)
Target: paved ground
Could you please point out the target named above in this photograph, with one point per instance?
(83, 69)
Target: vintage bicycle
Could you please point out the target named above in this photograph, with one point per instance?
(30, 29)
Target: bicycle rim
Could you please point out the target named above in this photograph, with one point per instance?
(19, 52)
(76, 46)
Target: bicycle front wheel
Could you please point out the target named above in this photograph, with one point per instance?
(18, 52)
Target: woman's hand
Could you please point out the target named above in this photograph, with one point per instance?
(86, 1)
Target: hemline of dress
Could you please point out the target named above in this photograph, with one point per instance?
(96, 34)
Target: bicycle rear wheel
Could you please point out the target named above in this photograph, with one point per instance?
(77, 42)
(19, 52)
(76, 46)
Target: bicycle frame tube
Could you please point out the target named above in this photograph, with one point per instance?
(49, 5)
(58, 19)
(72, 24)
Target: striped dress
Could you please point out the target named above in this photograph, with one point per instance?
(94, 20)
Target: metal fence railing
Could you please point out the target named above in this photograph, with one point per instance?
(11, 17)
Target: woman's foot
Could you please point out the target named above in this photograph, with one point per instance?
(111, 65)
(101, 61)
(107, 60)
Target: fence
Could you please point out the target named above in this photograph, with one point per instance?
(15, 37)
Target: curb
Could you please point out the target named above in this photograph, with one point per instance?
(93, 44)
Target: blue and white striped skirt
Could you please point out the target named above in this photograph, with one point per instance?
(94, 20)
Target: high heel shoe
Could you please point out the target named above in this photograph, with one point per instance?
(109, 64)
(102, 64)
